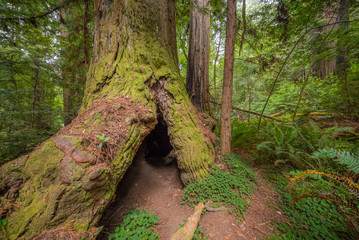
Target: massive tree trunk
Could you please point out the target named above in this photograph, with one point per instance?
(198, 55)
(228, 77)
(61, 189)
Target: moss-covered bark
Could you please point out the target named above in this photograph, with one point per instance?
(61, 189)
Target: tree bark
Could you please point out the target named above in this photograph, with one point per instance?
(327, 64)
(225, 134)
(198, 55)
(62, 188)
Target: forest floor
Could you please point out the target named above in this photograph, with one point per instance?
(158, 189)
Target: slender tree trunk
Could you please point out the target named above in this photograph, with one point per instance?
(228, 77)
(63, 187)
(215, 71)
(198, 55)
(36, 99)
(249, 90)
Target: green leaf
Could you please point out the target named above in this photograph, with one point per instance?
(3, 222)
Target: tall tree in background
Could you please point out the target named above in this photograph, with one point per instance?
(75, 49)
(63, 187)
(327, 64)
(342, 61)
(227, 90)
(198, 55)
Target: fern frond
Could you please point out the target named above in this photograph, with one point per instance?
(351, 160)
(348, 181)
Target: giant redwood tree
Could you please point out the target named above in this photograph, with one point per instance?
(198, 55)
(61, 189)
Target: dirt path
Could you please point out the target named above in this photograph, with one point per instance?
(158, 189)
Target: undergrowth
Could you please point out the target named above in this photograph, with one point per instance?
(350, 160)
(294, 143)
(243, 135)
(308, 218)
(320, 193)
(232, 187)
(136, 224)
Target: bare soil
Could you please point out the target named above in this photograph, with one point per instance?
(158, 188)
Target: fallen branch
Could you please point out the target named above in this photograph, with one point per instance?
(188, 230)
(251, 112)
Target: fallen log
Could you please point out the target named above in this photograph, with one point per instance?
(188, 230)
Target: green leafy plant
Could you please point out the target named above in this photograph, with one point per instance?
(182, 224)
(294, 144)
(350, 160)
(199, 234)
(103, 140)
(136, 224)
(308, 215)
(3, 223)
(243, 135)
(284, 143)
(232, 187)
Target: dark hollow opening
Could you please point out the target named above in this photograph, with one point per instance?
(152, 173)
(157, 145)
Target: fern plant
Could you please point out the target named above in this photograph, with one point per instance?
(340, 190)
(285, 143)
(350, 160)
(296, 143)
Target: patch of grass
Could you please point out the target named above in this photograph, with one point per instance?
(308, 218)
(232, 187)
(136, 224)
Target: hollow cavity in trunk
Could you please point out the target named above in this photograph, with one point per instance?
(150, 182)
